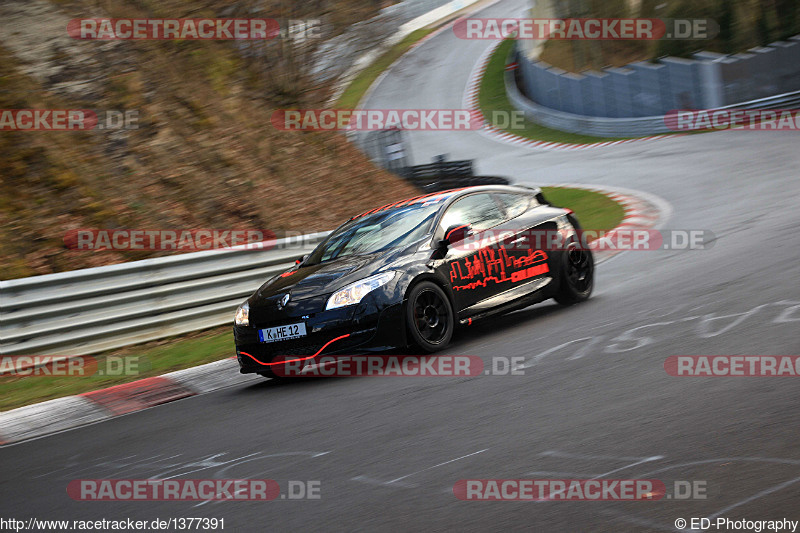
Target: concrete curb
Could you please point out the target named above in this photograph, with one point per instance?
(52, 416)
(642, 211)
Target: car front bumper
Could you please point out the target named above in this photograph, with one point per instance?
(338, 331)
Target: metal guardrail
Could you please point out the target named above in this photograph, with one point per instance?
(442, 175)
(97, 309)
(104, 308)
(616, 127)
(390, 149)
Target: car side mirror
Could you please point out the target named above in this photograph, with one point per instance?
(301, 260)
(456, 233)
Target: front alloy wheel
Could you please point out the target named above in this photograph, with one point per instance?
(429, 316)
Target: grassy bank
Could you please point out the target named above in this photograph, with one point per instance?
(492, 98)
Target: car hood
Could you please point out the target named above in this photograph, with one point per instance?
(320, 279)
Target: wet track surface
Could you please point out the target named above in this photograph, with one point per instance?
(594, 400)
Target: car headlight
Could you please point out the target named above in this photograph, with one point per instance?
(355, 292)
(242, 317)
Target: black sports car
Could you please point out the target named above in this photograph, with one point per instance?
(407, 273)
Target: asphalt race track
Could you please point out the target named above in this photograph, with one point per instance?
(594, 400)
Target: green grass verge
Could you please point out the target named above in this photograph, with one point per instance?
(153, 359)
(492, 97)
(594, 210)
(362, 82)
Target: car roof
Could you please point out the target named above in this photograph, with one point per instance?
(450, 194)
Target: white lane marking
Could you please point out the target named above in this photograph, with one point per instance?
(440, 464)
(116, 465)
(567, 455)
(628, 341)
(397, 480)
(372, 481)
(650, 474)
(723, 460)
(631, 465)
(538, 357)
(754, 497)
(311, 455)
(203, 464)
(219, 474)
(210, 462)
(565, 475)
(645, 460)
(636, 520)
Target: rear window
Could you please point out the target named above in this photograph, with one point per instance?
(514, 204)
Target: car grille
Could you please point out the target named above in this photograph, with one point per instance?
(308, 349)
(265, 352)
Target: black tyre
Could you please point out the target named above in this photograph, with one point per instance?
(577, 275)
(429, 317)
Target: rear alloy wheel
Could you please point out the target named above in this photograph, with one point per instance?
(429, 317)
(577, 275)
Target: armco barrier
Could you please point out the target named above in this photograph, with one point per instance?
(615, 127)
(96, 309)
(640, 89)
(443, 175)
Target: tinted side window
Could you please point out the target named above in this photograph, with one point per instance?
(478, 210)
(514, 204)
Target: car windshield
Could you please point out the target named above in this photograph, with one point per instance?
(377, 232)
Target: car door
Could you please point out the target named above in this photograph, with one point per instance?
(503, 262)
(473, 267)
(526, 262)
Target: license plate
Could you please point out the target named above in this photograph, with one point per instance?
(282, 333)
